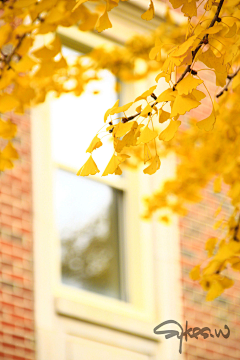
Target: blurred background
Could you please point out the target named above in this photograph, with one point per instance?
(82, 276)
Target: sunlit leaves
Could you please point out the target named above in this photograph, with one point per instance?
(89, 168)
(183, 104)
(113, 165)
(170, 130)
(153, 167)
(147, 135)
(149, 14)
(208, 123)
(187, 85)
(96, 143)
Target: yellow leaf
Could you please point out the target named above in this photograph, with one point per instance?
(7, 129)
(210, 245)
(182, 104)
(208, 123)
(170, 131)
(5, 163)
(8, 103)
(148, 109)
(103, 22)
(146, 93)
(5, 32)
(149, 14)
(23, 3)
(24, 65)
(195, 273)
(111, 111)
(147, 135)
(6, 78)
(217, 184)
(163, 116)
(181, 50)
(167, 95)
(190, 8)
(121, 129)
(147, 153)
(187, 85)
(89, 168)
(9, 152)
(123, 108)
(156, 51)
(154, 166)
(113, 165)
(216, 289)
(198, 95)
(50, 51)
(96, 143)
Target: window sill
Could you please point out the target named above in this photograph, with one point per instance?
(109, 313)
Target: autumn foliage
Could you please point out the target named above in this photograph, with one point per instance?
(150, 126)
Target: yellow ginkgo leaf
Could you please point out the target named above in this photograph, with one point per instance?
(5, 31)
(8, 103)
(147, 110)
(9, 152)
(50, 51)
(163, 116)
(216, 289)
(96, 143)
(208, 123)
(5, 163)
(154, 166)
(123, 108)
(156, 51)
(7, 129)
(122, 128)
(113, 165)
(198, 95)
(147, 153)
(195, 273)
(210, 245)
(189, 8)
(111, 110)
(147, 135)
(103, 22)
(182, 104)
(89, 168)
(168, 133)
(167, 95)
(146, 93)
(24, 65)
(181, 50)
(187, 85)
(149, 14)
(23, 3)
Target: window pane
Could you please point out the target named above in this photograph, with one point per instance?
(87, 219)
(75, 120)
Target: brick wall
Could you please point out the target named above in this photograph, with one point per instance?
(195, 229)
(16, 270)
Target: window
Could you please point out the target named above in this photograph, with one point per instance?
(88, 213)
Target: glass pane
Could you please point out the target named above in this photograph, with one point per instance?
(87, 216)
(76, 120)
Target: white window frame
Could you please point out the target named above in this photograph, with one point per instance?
(148, 292)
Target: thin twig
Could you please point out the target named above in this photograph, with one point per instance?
(194, 53)
(229, 77)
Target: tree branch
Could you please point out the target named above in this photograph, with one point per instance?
(230, 77)
(188, 68)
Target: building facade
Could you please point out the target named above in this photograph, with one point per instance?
(82, 276)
